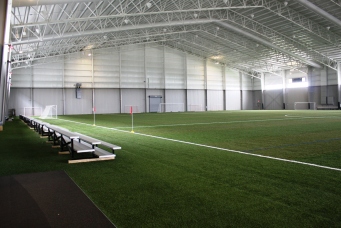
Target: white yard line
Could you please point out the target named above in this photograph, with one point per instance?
(212, 147)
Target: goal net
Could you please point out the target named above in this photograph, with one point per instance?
(32, 111)
(305, 105)
(171, 107)
(50, 112)
(195, 108)
(135, 108)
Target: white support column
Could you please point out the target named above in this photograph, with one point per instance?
(119, 76)
(262, 81)
(164, 74)
(241, 89)
(92, 79)
(5, 12)
(186, 80)
(223, 68)
(205, 83)
(146, 80)
(310, 88)
(284, 79)
(63, 87)
(339, 83)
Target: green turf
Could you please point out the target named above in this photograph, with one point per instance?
(154, 182)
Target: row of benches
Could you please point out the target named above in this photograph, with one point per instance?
(72, 142)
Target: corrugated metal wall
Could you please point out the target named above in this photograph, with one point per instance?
(115, 78)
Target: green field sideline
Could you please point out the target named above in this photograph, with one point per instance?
(200, 169)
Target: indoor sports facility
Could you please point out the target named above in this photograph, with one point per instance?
(172, 113)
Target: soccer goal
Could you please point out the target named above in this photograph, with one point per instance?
(171, 107)
(32, 111)
(50, 112)
(135, 108)
(305, 105)
(195, 108)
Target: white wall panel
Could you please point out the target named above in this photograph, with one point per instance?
(134, 97)
(233, 100)
(19, 99)
(107, 100)
(246, 82)
(175, 96)
(78, 106)
(48, 75)
(272, 81)
(215, 100)
(196, 98)
(78, 71)
(44, 97)
(257, 84)
(132, 68)
(214, 76)
(174, 69)
(247, 100)
(22, 78)
(155, 68)
(195, 73)
(232, 79)
(106, 68)
(316, 77)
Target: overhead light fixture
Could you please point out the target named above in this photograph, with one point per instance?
(285, 3)
(20, 51)
(89, 54)
(195, 15)
(225, 1)
(37, 30)
(105, 37)
(164, 30)
(217, 28)
(252, 16)
(328, 27)
(126, 21)
(23, 32)
(149, 5)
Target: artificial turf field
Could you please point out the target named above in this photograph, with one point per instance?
(200, 169)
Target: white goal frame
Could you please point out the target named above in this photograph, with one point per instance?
(50, 112)
(171, 107)
(307, 103)
(32, 111)
(195, 108)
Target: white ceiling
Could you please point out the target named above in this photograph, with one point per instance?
(253, 36)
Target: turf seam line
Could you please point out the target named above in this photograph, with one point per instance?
(213, 147)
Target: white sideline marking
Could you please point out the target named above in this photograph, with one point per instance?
(208, 123)
(213, 147)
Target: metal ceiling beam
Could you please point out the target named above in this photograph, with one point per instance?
(320, 11)
(311, 26)
(129, 8)
(110, 30)
(266, 43)
(19, 3)
(280, 40)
